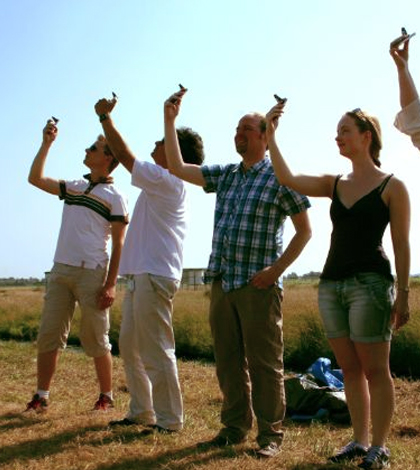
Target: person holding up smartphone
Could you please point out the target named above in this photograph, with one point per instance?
(94, 213)
(151, 261)
(408, 119)
(356, 289)
(245, 269)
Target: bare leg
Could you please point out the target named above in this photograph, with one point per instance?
(375, 360)
(46, 365)
(356, 387)
(103, 367)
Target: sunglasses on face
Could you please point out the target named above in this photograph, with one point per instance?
(93, 148)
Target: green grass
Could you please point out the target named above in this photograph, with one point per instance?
(304, 337)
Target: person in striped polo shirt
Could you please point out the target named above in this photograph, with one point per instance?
(94, 213)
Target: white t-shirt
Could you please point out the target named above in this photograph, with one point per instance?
(408, 122)
(156, 232)
(85, 229)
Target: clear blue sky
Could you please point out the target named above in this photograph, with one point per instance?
(326, 56)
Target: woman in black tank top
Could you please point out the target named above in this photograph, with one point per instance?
(356, 290)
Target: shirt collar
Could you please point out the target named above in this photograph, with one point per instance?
(102, 179)
(256, 167)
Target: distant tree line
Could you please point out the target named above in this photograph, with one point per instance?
(33, 281)
(20, 281)
(310, 275)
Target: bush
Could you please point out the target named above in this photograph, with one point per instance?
(306, 345)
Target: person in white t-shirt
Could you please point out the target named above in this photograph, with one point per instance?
(94, 212)
(152, 263)
(408, 119)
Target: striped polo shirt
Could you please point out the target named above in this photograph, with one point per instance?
(89, 208)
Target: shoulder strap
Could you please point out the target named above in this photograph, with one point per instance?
(384, 183)
(335, 184)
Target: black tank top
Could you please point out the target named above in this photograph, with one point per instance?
(356, 239)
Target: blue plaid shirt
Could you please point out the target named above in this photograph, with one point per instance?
(251, 208)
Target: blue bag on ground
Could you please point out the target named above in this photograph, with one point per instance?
(321, 370)
(309, 399)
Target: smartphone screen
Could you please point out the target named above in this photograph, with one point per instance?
(401, 40)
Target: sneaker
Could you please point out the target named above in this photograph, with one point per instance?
(268, 451)
(377, 457)
(103, 403)
(349, 452)
(38, 404)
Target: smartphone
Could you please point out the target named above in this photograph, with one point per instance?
(55, 119)
(114, 96)
(401, 39)
(280, 100)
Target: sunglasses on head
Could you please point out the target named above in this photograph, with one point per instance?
(362, 116)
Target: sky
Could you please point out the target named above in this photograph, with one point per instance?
(326, 56)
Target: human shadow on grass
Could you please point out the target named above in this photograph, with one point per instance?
(47, 446)
(306, 423)
(178, 459)
(322, 466)
(16, 421)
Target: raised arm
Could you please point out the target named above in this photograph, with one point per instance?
(176, 165)
(408, 91)
(317, 186)
(115, 141)
(36, 173)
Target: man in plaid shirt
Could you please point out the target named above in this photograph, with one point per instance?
(245, 266)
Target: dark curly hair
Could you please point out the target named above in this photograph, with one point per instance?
(191, 145)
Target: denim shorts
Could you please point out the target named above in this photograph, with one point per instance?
(358, 307)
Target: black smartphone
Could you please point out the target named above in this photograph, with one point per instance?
(401, 39)
(55, 119)
(114, 96)
(280, 100)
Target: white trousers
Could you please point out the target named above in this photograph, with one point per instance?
(147, 346)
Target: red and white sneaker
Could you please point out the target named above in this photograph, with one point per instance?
(103, 403)
(38, 404)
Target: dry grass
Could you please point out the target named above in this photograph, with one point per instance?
(71, 437)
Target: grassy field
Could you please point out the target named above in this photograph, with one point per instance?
(71, 437)
(305, 341)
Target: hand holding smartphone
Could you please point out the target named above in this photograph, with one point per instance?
(175, 99)
(401, 39)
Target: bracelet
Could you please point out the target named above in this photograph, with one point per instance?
(404, 289)
(102, 117)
